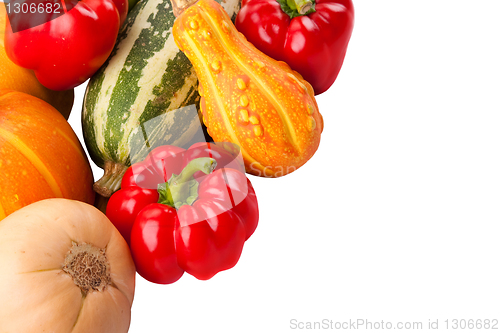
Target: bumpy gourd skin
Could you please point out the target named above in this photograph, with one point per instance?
(248, 98)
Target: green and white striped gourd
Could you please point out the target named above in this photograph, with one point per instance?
(143, 96)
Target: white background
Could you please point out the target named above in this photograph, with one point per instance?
(396, 217)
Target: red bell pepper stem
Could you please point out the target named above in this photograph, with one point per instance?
(182, 189)
(303, 6)
(297, 8)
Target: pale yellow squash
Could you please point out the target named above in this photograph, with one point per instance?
(64, 268)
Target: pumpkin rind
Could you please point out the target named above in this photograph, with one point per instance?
(37, 295)
(248, 98)
(40, 155)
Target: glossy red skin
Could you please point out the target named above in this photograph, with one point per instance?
(153, 246)
(68, 50)
(124, 206)
(313, 45)
(202, 239)
(122, 7)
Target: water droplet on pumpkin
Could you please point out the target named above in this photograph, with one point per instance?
(244, 100)
(244, 116)
(254, 120)
(225, 27)
(257, 130)
(241, 84)
(312, 123)
(193, 24)
(206, 34)
(216, 65)
(310, 109)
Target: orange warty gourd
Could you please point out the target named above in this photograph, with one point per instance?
(24, 80)
(249, 99)
(40, 155)
(64, 269)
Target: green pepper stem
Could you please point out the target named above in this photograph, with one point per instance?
(296, 8)
(303, 6)
(182, 189)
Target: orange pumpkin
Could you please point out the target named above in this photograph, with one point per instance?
(40, 155)
(17, 78)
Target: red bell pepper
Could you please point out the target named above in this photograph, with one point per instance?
(185, 211)
(310, 36)
(69, 47)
